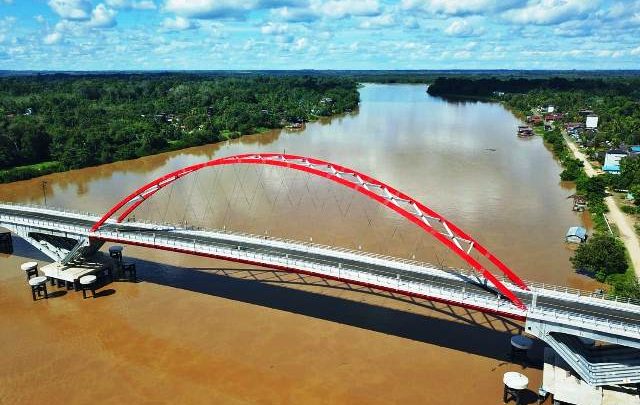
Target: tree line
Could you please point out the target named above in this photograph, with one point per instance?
(73, 121)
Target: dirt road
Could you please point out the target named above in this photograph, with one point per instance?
(616, 216)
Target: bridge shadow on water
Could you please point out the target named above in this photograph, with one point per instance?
(455, 328)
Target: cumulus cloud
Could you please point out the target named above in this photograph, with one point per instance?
(347, 8)
(461, 7)
(549, 12)
(143, 5)
(178, 24)
(295, 14)
(380, 21)
(462, 28)
(274, 29)
(102, 17)
(210, 8)
(132, 4)
(300, 44)
(52, 38)
(79, 10)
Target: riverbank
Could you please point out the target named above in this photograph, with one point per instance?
(623, 222)
(55, 123)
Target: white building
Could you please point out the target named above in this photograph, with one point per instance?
(551, 109)
(592, 122)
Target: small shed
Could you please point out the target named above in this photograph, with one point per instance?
(576, 234)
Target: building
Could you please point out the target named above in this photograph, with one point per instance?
(535, 119)
(612, 160)
(551, 108)
(576, 234)
(592, 121)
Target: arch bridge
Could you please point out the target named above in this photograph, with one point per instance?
(557, 315)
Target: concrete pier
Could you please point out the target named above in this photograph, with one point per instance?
(6, 243)
(567, 387)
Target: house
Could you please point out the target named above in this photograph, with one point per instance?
(592, 121)
(576, 234)
(551, 108)
(535, 119)
(634, 150)
(571, 126)
(612, 160)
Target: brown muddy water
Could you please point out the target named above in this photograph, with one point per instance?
(204, 331)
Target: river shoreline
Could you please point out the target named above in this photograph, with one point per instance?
(240, 334)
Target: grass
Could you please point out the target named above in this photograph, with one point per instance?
(37, 166)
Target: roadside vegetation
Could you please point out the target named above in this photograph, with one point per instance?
(51, 123)
(616, 101)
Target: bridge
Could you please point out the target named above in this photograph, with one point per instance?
(559, 316)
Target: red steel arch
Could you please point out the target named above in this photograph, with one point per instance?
(449, 234)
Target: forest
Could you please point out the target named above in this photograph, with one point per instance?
(58, 122)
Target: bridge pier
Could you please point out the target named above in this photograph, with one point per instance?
(6, 242)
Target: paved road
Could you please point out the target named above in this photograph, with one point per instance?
(458, 282)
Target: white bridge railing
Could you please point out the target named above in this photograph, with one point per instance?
(439, 284)
(297, 261)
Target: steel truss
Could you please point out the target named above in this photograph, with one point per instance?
(430, 221)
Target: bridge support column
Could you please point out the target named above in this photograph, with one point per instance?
(6, 243)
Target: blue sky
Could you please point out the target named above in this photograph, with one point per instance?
(314, 34)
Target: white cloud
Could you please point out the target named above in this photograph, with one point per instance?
(102, 17)
(52, 38)
(178, 24)
(144, 5)
(295, 14)
(347, 8)
(131, 4)
(380, 21)
(71, 9)
(462, 28)
(635, 51)
(210, 8)
(461, 7)
(300, 44)
(548, 12)
(39, 18)
(274, 29)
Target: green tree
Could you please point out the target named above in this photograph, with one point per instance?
(601, 255)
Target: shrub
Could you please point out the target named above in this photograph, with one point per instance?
(602, 256)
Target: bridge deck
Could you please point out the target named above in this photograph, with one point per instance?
(550, 306)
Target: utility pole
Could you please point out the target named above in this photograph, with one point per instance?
(44, 192)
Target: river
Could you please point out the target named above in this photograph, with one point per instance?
(289, 339)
